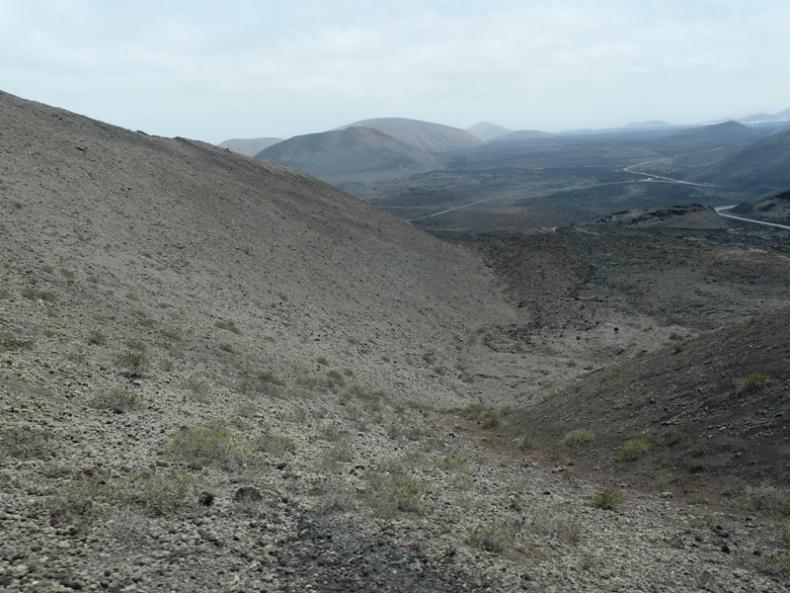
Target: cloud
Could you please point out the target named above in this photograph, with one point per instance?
(212, 69)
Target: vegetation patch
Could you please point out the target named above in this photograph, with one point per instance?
(766, 498)
(608, 499)
(633, 449)
(335, 380)
(577, 438)
(229, 326)
(393, 488)
(158, 493)
(134, 362)
(556, 524)
(25, 443)
(35, 294)
(529, 440)
(212, 445)
(486, 417)
(97, 338)
(200, 391)
(496, 538)
(9, 341)
(172, 335)
(117, 400)
(754, 382)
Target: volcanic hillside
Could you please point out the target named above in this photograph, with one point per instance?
(142, 238)
(713, 409)
(426, 136)
(351, 155)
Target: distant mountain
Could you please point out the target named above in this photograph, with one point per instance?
(524, 135)
(762, 118)
(487, 131)
(424, 135)
(761, 166)
(249, 146)
(648, 125)
(729, 133)
(355, 154)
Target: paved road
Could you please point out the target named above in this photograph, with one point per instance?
(720, 210)
(630, 168)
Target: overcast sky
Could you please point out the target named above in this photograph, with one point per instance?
(213, 69)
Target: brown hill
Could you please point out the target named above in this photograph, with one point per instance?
(424, 135)
(351, 155)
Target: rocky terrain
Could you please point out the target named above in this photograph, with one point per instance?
(223, 375)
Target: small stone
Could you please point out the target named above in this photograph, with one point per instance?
(206, 499)
(19, 571)
(247, 494)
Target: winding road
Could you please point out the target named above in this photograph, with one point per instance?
(720, 210)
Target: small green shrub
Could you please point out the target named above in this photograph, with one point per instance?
(577, 438)
(9, 341)
(261, 382)
(97, 338)
(225, 347)
(754, 382)
(776, 565)
(200, 446)
(529, 440)
(200, 390)
(25, 443)
(269, 378)
(117, 400)
(633, 449)
(392, 487)
(275, 444)
(341, 451)
(608, 499)
(486, 417)
(228, 326)
(135, 363)
(158, 493)
(172, 335)
(34, 294)
(496, 538)
(452, 463)
(554, 523)
(335, 380)
(322, 361)
(766, 498)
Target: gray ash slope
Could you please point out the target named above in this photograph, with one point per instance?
(172, 223)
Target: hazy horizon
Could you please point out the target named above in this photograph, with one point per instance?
(239, 68)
